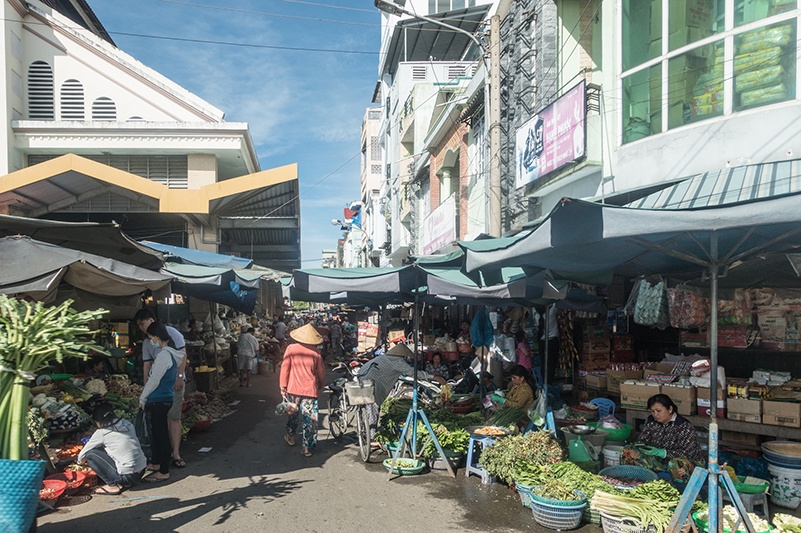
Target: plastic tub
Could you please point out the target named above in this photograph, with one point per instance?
(611, 455)
(524, 491)
(596, 439)
(785, 486)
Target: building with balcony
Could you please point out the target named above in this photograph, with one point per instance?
(93, 134)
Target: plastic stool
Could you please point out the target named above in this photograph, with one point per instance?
(473, 466)
(752, 500)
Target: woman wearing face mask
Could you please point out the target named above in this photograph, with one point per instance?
(157, 399)
(668, 442)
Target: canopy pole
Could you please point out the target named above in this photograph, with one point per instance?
(545, 335)
(714, 487)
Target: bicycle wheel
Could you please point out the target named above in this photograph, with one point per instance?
(363, 432)
(336, 416)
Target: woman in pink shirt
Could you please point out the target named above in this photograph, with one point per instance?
(302, 376)
(523, 354)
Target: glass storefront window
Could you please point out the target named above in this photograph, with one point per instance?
(693, 20)
(746, 11)
(642, 31)
(642, 104)
(695, 85)
(765, 65)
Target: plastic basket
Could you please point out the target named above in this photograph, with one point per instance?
(559, 503)
(360, 393)
(591, 516)
(558, 517)
(614, 435)
(74, 480)
(624, 525)
(524, 491)
(20, 495)
(52, 489)
(629, 472)
(703, 526)
(403, 470)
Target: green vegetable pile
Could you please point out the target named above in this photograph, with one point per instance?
(507, 416)
(31, 336)
(659, 490)
(657, 513)
(566, 473)
(554, 490)
(787, 523)
(507, 455)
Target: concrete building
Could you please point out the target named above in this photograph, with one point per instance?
(93, 134)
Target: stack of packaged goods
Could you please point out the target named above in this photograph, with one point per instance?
(759, 78)
(708, 90)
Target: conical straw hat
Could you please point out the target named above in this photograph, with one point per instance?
(400, 350)
(306, 335)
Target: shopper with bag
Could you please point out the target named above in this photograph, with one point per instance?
(302, 376)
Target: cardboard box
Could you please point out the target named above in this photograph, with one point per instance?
(595, 381)
(622, 343)
(735, 437)
(429, 340)
(693, 340)
(704, 404)
(787, 414)
(658, 369)
(594, 361)
(746, 407)
(395, 334)
(635, 394)
(591, 332)
(683, 396)
(695, 13)
(601, 345)
(733, 336)
(615, 377)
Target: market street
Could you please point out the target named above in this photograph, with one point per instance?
(251, 480)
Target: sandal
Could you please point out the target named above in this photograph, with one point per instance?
(104, 490)
(306, 453)
(153, 479)
(289, 439)
(179, 463)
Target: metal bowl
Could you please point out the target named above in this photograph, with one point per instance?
(579, 430)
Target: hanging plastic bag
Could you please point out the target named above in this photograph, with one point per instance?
(538, 411)
(286, 408)
(652, 307)
(143, 431)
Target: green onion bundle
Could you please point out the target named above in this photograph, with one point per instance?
(647, 512)
(32, 335)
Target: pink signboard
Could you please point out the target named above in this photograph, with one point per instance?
(552, 138)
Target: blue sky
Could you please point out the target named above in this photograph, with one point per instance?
(301, 106)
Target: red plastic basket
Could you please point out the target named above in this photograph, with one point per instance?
(52, 489)
(74, 480)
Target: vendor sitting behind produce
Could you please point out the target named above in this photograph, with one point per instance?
(667, 443)
(113, 452)
(521, 393)
(438, 369)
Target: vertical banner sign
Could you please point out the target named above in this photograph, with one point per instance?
(552, 138)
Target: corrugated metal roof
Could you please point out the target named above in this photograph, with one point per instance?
(726, 186)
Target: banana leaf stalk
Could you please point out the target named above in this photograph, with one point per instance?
(31, 336)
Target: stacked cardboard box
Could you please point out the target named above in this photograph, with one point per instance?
(704, 403)
(596, 349)
(744, 410)
(684, 396)
(635, 394)
(615, 377)
(778, 413)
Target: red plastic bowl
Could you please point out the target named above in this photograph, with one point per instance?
(73, 479)
(202, 425)
(52, 489)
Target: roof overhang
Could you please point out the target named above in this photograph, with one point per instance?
(418, 40)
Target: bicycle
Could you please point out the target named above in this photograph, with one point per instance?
(348, 401)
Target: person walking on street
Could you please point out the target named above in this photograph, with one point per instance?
(246, 350)
(302, 376)
(144, 318)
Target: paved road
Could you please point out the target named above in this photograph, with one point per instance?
(251, 480)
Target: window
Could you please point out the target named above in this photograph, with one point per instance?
(438, 6)
(765, 65)
(40, 91)
(72, 104)
(375, 148)
(642, 104)
(171, 171)
(693, 20)
(642, 31)
(746, 11)
(104, 109)
(694, 87)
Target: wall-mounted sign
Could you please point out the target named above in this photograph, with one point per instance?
(552, 138)
(440, 226)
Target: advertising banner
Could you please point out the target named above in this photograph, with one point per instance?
(440, 226)
(552, 138)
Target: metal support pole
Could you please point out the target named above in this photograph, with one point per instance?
(714, 469)
(494, 88)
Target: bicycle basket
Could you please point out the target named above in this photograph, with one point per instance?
(360, 393)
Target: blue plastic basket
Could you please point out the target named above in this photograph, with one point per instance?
(629, 472)
(558, 517)
(19, 493)
(524, 491)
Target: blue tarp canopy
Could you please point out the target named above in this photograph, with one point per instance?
(235, 288)
(177, 254)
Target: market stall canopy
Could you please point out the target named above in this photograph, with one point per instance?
(582, 238)
(37, 270)
(177, 254)
(235, 288)
(390, 280)
(106, 240)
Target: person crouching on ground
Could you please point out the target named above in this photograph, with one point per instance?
(302, 376)
(113, 452)
(246, 350)
(157, 397)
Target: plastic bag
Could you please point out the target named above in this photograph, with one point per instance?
(652, 307)
(538, 411)
(143, 431)
(609, 422)
(286, 408)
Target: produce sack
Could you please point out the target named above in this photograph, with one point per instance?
(143, 431)
(687, 309)
(651, 308)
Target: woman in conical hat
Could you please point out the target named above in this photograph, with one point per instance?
(302, 376)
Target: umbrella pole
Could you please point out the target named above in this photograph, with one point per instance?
(415, 413)
(713, 475)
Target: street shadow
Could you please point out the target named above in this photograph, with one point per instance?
(135, 508)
